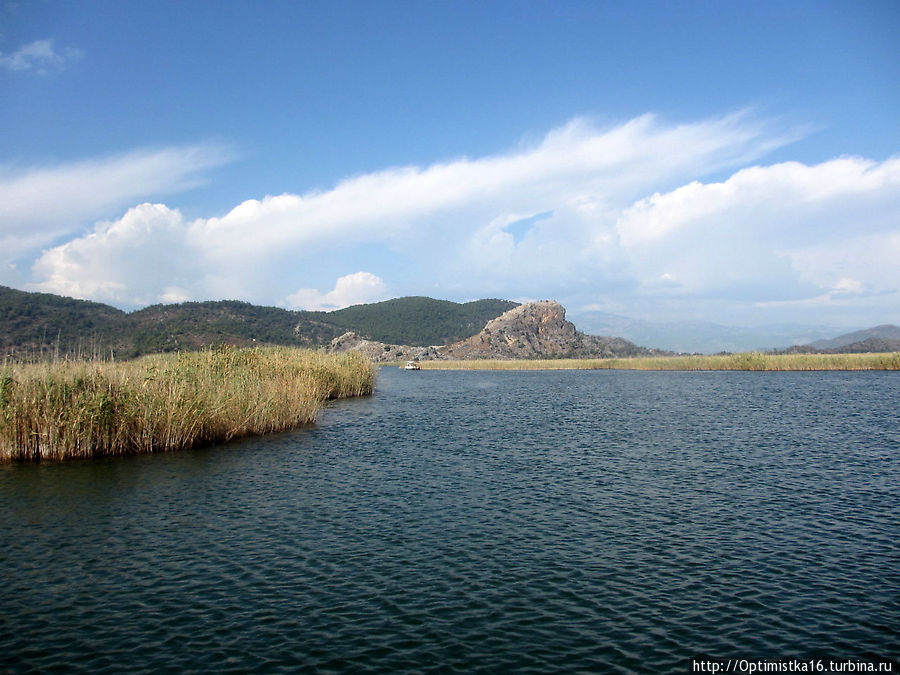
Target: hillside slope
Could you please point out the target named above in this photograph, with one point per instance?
(884, 332)
(34, 324)
(872, 345)
(192, 325)
(417, 320)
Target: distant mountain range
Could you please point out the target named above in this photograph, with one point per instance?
(885, 332)
(35, 324)
(884, 338)
(700, 336)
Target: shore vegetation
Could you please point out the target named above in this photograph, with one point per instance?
(747, 361)
(74, 408)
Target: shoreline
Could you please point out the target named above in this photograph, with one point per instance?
(751, 361)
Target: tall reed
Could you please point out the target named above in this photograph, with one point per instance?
(167, 402)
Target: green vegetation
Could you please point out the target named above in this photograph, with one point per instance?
(193, 325)
(42, 324)
(69, 409)
(34, 326)
(748, 361)
(418, 320)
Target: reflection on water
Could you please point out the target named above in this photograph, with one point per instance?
(543, 521)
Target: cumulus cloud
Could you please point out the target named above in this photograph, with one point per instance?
(782, 233)
(39, 205)
(615, 216)
(787, 185)
(448, 215)
(39, 56)
(576, 164)
(139, 259)
(856, 265)
(353, 289)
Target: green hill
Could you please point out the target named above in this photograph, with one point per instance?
(192, 325)
(418, 320)
(36, 324)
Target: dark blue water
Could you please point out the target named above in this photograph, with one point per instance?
(478, 522)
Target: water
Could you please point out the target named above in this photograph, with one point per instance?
(477, 522)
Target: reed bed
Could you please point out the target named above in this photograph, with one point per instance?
(69, 409)
(747, 361)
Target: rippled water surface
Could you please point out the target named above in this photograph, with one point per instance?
(478, 522)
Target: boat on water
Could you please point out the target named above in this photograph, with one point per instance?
(412, 365)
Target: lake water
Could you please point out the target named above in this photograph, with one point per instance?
(603, 521)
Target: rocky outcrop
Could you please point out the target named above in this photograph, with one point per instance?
(538, 330)
(529, 331)
(380, 352)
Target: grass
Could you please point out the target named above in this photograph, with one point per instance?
(748, 361)
(69, 409)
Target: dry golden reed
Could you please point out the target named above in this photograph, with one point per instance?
(158, 403)
(748, 361)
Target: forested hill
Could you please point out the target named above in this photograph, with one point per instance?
(418, 320)
(40, 321)
(32, 324)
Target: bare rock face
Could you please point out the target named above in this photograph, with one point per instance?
(535, 329)
(529, 331)
(380, 352)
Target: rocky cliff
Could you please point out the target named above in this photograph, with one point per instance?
(532, 330)
(527, 331)
(381, 352)
(538, 330)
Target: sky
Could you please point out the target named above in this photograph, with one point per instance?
(728, 161)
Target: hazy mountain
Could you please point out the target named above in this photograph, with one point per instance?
(883, 332)
(699, 336)
(870, 345)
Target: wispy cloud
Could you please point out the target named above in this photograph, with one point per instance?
(40, 204)
(444, 214)
(619, 214)
(39, 57)
(572, 162)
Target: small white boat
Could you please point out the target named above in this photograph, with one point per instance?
(412, 365)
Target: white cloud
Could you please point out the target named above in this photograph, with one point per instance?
(434, 217)
(131, 261)
(776, 229)
(856, 264)
(575, 164)
(612, 217)
(353, 289)
(757, 189)
(39, 56)
(38, 205)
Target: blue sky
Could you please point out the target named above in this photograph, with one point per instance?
(736, 162)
